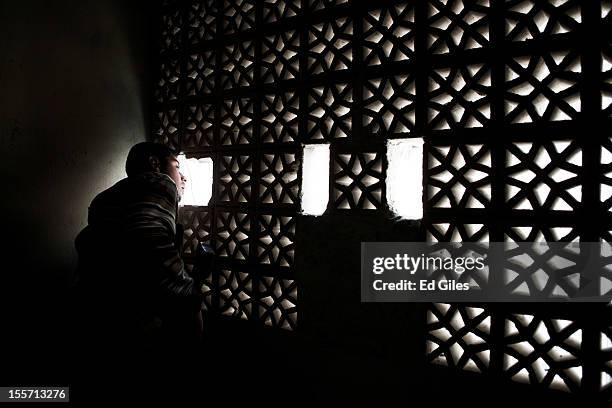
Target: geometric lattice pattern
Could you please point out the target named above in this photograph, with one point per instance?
(330, 46)
(459, 176)
(236, 121)
(277, 300)
(171, 31)
(167, 126)
(510, 98)
(233, 230)
(196, 224)
(280, 58)
(235, 178)
(459, 97)
(606, 84)
(605, 188)
(235, 294)
(543, 87)
(199, 131)
(358, 181)
(544, 176)
(534, 20)
(545, 352)
(389, 35)
(458, 336)
(277, 10)
(279, 117)
(456, 25)
(520, 112)
(275, 242)
(329, 112)
(168, 85)
(238, 15)
(529, 269)
(279, 179)
(529, 233)
(237, 65)
(453, 232)
(202, 21)
(200, 74)
(389, 105)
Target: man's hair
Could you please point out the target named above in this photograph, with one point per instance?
(138, 158)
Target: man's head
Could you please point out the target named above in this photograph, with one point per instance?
(148, 156)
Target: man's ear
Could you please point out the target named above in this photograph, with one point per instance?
(154, 163)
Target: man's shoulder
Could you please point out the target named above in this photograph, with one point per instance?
(146, 188)
(145, 184)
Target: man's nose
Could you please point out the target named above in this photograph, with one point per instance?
(183, 178)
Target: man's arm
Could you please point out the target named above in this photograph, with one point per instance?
(152, 225)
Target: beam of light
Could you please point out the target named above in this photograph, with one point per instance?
(405, 177)
(315, 179)
(199, 173)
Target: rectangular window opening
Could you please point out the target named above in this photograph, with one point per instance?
(405, 177)
(199, 174)
(315, 179)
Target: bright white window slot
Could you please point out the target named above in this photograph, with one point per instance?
(405, 177)
(315, 179)
(199, 174)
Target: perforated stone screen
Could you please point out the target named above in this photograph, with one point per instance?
(513, 102)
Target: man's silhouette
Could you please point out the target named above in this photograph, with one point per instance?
(139, 310)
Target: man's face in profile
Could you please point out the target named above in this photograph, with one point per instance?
(172, 169)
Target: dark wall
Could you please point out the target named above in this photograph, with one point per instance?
(74, 97)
